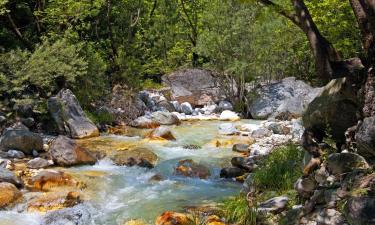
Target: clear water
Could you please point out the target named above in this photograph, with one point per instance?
(119, 193)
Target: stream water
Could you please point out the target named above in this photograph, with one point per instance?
(119, 193)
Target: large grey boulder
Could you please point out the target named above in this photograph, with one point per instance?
(186, 108)
(334, 110)
(360, 211)
(69, 116)
(65, 152)
(287, 97)
(164, 118)
(22, 140)
(197, 86)
(77, 215)
(365, 138)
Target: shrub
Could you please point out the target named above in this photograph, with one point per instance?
(280, 169)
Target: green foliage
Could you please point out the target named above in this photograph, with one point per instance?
(236, 210)
(280, 169)
(100, 117)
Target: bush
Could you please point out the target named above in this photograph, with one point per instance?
(280, 169)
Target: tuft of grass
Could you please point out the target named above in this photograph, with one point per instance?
(237, 210)
(280, 169)
(100, 118)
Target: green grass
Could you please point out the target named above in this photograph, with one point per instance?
(236, 210)
(280, 169)
(100, 118)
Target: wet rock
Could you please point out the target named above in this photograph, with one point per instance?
(65, 152)
(289, 96)
(77, 215)
(162, 133)
(22, 140)
(365, 138)
(273, 205)
(186, 108)
(48, 179)
(227, 129)
(339, 163)
(305, 186)
(189, 168)
(9, 177)
(142, 157)
(360, 210)
(38, 163)
(172, 218)
(53, 201)
(242, 148)
(8, 194)
(213, 220)
(243, 163)
(144, 122)
(15, 154)
(156, 178)
(135, 222)
(231, 172)
(191, 147)
(69, 116)
(228, 115)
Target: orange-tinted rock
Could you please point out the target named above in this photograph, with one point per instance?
(53, 201)
(162, 133)
(49, 179)
(214, 220)
(189, 168)
(172, 218)
(8, 194)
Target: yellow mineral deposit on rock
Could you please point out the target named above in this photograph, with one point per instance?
(8, 194)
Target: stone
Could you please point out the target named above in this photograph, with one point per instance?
(65, 152)
(186, 108)
(273, 205)
(4, 163)
(225, 105)
(243, 163)
(189, 168)
(197, 86)
(9, 177)
(22, 140)
(213, 220)
(231, 172)
(305, 186)
(54, 201)
(227, 129)
(164, 104)
(37, 163)
(47, 180)
(165, 118)
(242, 148)
(135, 222)
(28, 122)
(69, 116)
(286, 97)
(15, 154)
(176, 105)
(77, 215)
(360, 210)
(144, 122)
(279, 128)
(8, 194)
(249, 185)
(365, 138)
(228, 115)
(141, 157)
(339, 163)
(249, 127)
(334, 110)
(172, 218)
(162, 133)
(261, 133)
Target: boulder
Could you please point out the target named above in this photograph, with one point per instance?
(77, 215)
(144, 122)
(305, 186)
(176, 105)
(189, 168)
(197, 86)
(360, 210)
(162, 133)
(37, 163)
(365, 138)
(261, 133)
(9, 177)
(172, 218)
(46, 180)
(141, 157)
(8, 194)
(288, 96)
(15, 154)
(242, 148)
(228, 115)
(231, 172)
(65, 152)
(334, 110)
(224, 105)
(69, 116)
(28, 122)
(166, 105)
(339, 163)
(186, 108)
(273, 205)
(243, 163)
(165, 118)
(227, 129)
(279, 128)
(22, 140)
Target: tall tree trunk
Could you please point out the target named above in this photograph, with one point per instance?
(364, 11)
